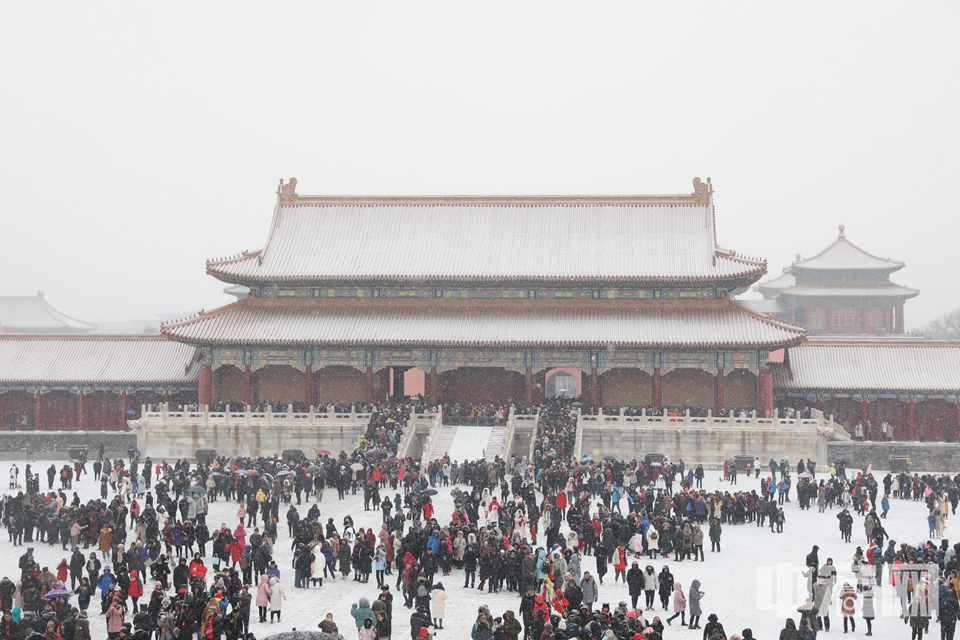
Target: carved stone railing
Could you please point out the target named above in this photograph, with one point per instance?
(428, 423)
(164, 415)
(619, 421)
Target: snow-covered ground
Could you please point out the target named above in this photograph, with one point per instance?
(754, 582)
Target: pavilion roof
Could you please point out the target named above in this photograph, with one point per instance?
(843, 255)
(865, 365)
(770, 288)
(33, 314)
(95, 359)
(682, 324)
(477, 238)
(849, 290)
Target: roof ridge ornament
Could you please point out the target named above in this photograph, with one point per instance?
(842, 227)
(288, 191)
(702, 190)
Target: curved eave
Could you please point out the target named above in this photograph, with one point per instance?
(181, 330)
(745, 277)
(767, 346)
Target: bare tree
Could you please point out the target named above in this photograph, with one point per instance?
(946, 327)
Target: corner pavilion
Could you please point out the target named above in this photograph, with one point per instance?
(486, 295)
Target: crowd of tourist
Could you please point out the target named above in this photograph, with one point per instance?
(147, 555)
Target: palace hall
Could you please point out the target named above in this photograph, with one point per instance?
(486, 295)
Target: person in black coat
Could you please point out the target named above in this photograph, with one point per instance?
(419, 620)
(665, 586)
(383, 625)
(713, 627)
(635, 582)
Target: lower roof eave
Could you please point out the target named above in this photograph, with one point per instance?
(299, 344)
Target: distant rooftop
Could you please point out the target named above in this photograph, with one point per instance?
(844, 255)
(33, 314)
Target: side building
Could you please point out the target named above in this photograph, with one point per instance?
(90, 383)
(841, 291)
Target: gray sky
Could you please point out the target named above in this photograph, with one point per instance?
(137, 141)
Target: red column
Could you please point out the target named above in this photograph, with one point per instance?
(719, 399)
(80, 410)
(369, 384)
(899, 319)
(247, 384)
(308, 387)
(911, 420)
(205, 385)
(829, 320)
(37, 411)
(864, 412)
(766, 393)
(819, 404)
(540, 387)
(657, 391)
(528, 387)
(863, 319)
(123, 409)
(432, 389)
(594, 387)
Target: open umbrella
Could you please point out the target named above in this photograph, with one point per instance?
(217, 474)
(394, 459)
(431, 492)
(285, 473)
(582, 468)
(313, 468)
(198, 489)
(252, 472)
(240, 472)
(804, 475)
(56, 593)
(268, 477)
(356, 466)
(324, 452)
(374, 452)
(609, 457)
(586, 459)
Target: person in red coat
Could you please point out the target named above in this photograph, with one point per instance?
(136, 589)
(620, 564)
(561, 503)
(62, 570)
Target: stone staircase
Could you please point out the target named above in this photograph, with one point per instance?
(444, 442)
(496, 445)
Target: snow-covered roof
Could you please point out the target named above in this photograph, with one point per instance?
(844, 255)
(95, 359)
(894, 365)
(866, 290)
(32, 314)
(718, 323)
(480, 238)
(771, 288)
